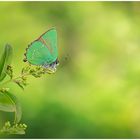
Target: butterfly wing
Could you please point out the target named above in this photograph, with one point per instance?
(38, 54)
(44, 50)
(50, 40)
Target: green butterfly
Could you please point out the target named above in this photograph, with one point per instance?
(43, 51)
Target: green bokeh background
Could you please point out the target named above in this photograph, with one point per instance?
(95, 92)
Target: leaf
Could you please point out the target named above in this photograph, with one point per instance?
(5, 104)
(12, 105)
(18, 112)
(5, 61)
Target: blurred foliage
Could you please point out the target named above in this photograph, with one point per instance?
(95, 91)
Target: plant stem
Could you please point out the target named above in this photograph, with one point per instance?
(13, 79)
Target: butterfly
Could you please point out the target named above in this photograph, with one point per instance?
(43, 51)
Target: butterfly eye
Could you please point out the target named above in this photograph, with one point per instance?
(25, 60)
(57, 61)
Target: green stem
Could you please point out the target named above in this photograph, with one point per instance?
(13, 79)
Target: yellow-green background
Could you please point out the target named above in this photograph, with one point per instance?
(95, 92)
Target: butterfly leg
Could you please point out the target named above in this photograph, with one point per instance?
(51, 68)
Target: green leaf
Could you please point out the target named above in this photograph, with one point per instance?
(5, 61)
(11, 104)
(6, 104)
